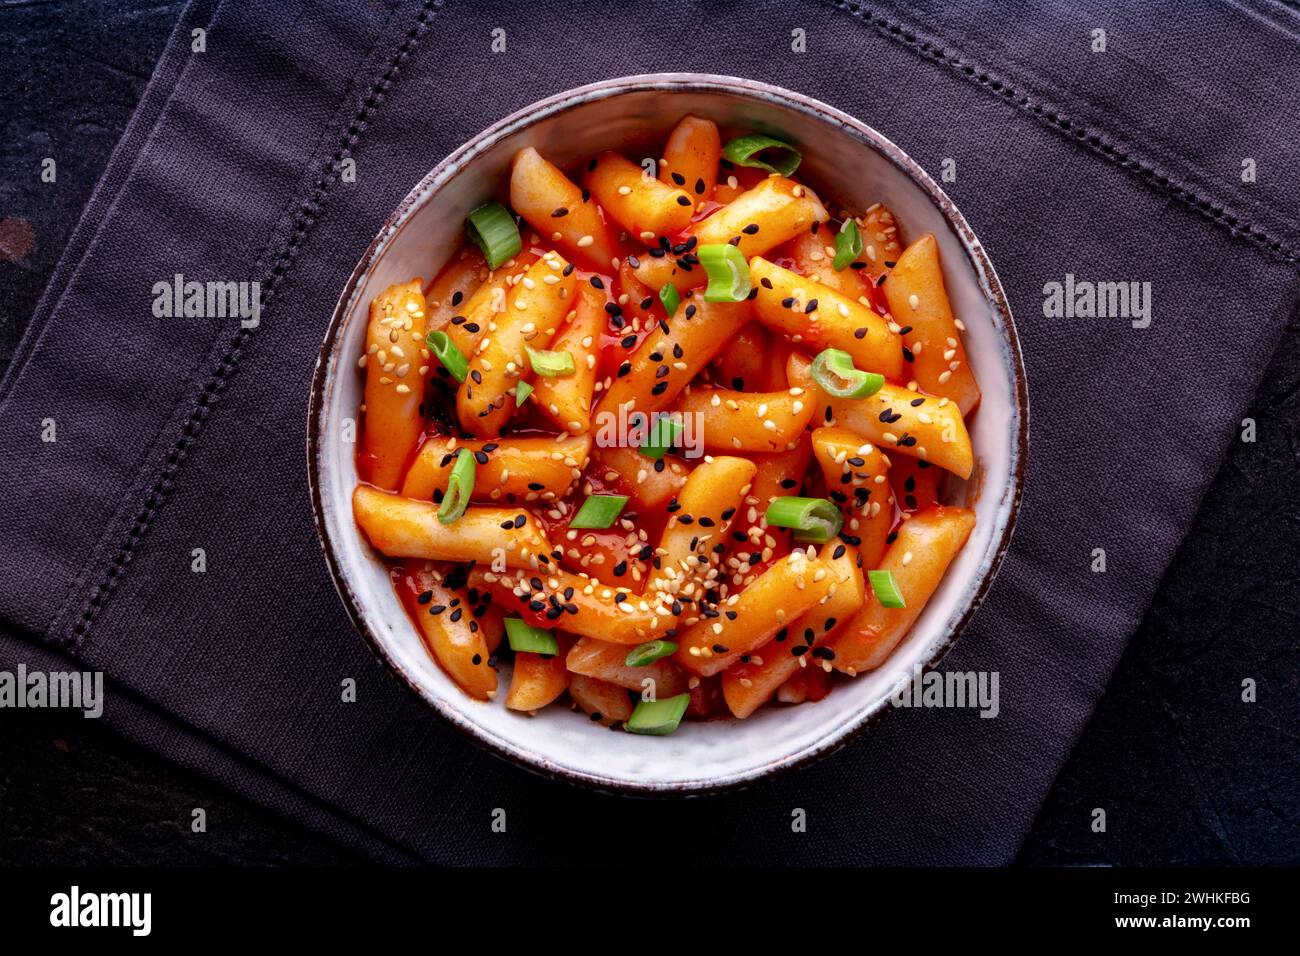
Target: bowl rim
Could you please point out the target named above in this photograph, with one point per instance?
(423, 192)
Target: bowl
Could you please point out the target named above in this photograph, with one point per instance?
(849, 163)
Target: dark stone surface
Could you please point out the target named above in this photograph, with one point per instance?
(1185, 770)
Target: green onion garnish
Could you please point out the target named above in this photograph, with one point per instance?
(657, 717)
(460, 486)
(522, 391)
(671, 300)
(848, 245)
(599, 511)
(551, 364)
(748, 151)
(664, 434)
(532, 640)
(643, 655)
(445, 351)
(728, 272)
(835, 374)
(493, 229)
(815, 520)
(886, 589)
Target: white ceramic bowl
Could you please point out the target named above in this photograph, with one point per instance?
(848, 163)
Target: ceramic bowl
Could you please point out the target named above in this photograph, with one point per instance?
(850, 164)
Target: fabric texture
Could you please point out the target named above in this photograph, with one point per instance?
(177, 434)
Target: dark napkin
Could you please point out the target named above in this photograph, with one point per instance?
(179, 434)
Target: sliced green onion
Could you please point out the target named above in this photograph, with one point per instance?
(665, 432)
(445, 351)
(835, 374)
(886, 589)
(551, 364)
(749, 151)
(643, 655)
(671, 300)
(728, 272)
(493, 229)
(522, 391)
(599, 511)
(531, 640)
(657, 718)
(815, 520)
(848, 245)
(460, 487)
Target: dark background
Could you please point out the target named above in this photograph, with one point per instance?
(1172, 754)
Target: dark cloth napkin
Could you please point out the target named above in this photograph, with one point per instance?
(176, 434)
